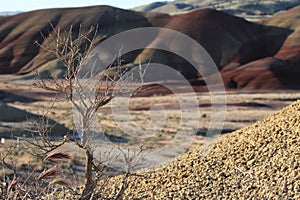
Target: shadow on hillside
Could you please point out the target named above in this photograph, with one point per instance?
(20, 123)
(9, 97)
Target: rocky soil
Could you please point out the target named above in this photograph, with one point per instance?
(260, 161)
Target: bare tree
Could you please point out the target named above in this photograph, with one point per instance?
(72, 48)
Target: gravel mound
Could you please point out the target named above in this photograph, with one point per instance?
(261, 161)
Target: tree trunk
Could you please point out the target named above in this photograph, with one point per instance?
(89, 182)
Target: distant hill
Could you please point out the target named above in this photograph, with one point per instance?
(221, 34)
(246, 53)
(280, 67)
(10, 12)
(18, 34)
(250, 9)
(263, 55)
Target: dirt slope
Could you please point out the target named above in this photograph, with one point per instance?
(260, 162)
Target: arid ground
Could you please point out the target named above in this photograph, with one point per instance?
(242, 109)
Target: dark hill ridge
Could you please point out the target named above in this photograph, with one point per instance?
(19, 54)
(262, 55)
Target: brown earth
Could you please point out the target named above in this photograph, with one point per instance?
(260, 161)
